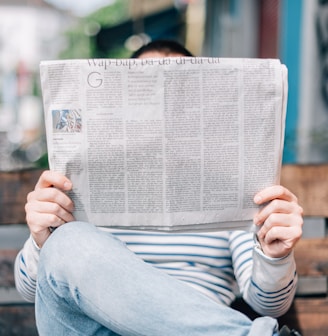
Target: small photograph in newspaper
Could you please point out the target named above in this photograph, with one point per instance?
(64, 121)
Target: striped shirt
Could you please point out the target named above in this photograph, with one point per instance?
(215, 263)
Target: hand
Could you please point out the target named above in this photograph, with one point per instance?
(48, 206)
(280, 219)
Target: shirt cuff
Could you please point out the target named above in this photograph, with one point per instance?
(271, 273)
(35, 244)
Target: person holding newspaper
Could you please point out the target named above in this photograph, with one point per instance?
(88, 280)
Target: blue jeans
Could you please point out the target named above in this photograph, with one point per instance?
(89, 283)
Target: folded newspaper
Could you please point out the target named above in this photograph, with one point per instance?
(166, 144)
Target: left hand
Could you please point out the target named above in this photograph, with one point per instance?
(280, 219)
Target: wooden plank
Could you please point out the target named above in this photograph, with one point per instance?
(310, 184)
(17, 317)
(14, 187)
(311, 256)
(308, 316)
(18, 320)
(311, 286)
(7, 260)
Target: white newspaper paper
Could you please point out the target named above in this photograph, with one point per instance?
(166, 144)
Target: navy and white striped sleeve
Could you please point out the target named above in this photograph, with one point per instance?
(267, 284)
(26, 265)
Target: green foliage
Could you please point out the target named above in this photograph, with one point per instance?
(80, 43)
(42, 162)
(112, 14)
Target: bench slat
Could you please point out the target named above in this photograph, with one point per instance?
(309, 316)
(13, 191)
(310, 184)
(312, 256)
(18, 320)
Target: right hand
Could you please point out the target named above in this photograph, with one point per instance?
(48, 205)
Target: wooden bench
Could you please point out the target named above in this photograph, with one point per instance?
(16, 316)
(309, 313)
(310, 310)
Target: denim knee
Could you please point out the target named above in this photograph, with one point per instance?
(76, 246)
(67, 235)
(67, 245)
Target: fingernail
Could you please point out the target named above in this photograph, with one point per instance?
(67, 185)
(257, 199)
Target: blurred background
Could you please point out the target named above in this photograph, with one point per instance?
(296, 32)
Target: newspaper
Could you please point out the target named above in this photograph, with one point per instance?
(168, 143)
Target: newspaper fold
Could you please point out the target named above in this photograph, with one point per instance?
(166, 144)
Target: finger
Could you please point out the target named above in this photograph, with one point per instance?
(55, 212)
(272, 221)
(274, 192)
(279, 241)
(53, 179)
(51, 195)
(42, 222)
(280, 220)
(287, 235)
(40, 226)
(277, 206)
